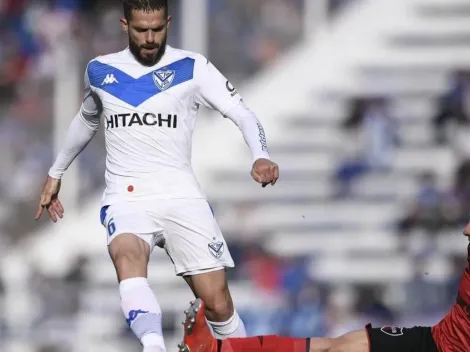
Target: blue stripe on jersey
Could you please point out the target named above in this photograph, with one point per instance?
(135, 91)
(103, 214)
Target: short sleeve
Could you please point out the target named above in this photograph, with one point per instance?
(213, 89)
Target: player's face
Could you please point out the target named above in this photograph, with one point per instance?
(148, 33)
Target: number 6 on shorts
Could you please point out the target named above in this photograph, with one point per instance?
(111, 227)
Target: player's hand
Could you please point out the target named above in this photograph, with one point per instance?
(50, 201)
(266, 172)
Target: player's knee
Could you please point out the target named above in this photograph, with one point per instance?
(220, 310)
(219, 305)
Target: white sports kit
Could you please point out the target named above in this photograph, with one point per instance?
(148, 115)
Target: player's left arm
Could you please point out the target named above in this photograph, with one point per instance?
(217, 93)
(264, 170)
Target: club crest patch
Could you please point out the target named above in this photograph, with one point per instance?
(164, 78)
(216, 249)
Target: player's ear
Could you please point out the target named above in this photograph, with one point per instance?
(168, 21)
(124, 25)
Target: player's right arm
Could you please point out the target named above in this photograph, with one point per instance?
(81, 131)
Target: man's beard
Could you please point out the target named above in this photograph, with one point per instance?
(147, 60)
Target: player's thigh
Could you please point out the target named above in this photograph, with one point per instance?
(391, 339)
(193, 238)
(130, 247)
(131, 231)
(130, 254)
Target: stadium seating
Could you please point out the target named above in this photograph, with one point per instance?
(408, 56)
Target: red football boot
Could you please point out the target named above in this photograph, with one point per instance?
(197, 334)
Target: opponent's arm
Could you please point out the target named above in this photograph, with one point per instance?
(217, 93)
(82, 129)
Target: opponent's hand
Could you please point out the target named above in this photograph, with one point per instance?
(266, 172)
(49, 200)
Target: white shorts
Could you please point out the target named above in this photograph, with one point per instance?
(185, 228)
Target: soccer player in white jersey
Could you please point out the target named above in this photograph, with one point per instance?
(148, 97)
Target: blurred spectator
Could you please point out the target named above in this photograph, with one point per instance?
(294, 275)
(352, 307)
(422, 294)
(335, 6)
(380, 135)
(307, 316)
(426, 209)
(257, 30)
(454, 107)
(304, 315)
(342, 316)
(461, 190)
(12, 64)
(371, 306)
(373, 136)
(460, 141)
(262, 268)
(435, 209)
(264, 321)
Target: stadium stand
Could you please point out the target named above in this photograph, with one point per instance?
(303, 248)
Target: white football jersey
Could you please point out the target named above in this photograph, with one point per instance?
(149, 115)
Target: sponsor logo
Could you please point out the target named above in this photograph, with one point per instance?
(164, 78)
(392, 331)
(133, 314)
(110, 79)
(216, 249)
(262, 138)
(136, 119)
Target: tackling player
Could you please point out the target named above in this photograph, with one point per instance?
(451, 334)
(148, 97)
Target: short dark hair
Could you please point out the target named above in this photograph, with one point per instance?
(145, 5)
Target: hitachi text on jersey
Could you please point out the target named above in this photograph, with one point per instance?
(147, 119)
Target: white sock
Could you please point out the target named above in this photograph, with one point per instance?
(233, 327)
(142, 311)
